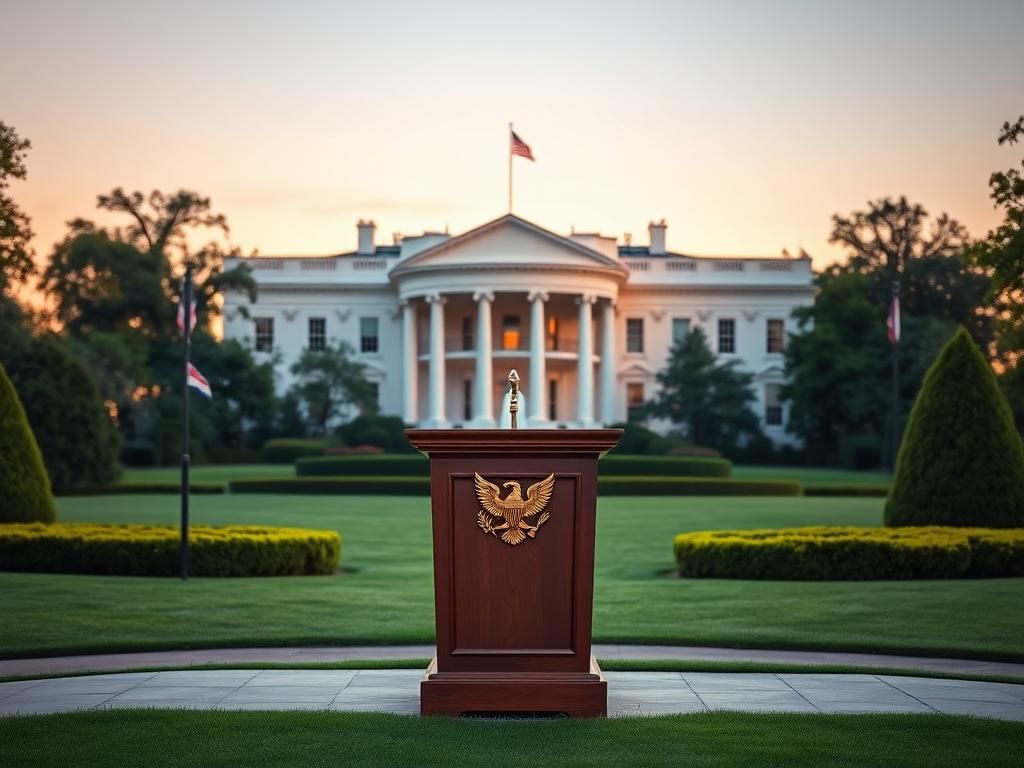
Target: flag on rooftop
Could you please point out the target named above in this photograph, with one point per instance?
(196, 380)
(181, 317)
(521, 148)
(893, 322)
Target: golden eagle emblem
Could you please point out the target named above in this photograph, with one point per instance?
(513, 509)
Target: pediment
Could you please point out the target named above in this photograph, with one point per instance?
(772, 373)
(508, 241)
(637, 370)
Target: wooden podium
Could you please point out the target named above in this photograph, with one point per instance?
(513, 523)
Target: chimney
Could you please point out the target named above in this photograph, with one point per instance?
(657, 230)
(366, 231)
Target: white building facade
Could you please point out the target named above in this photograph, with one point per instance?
(439, 321)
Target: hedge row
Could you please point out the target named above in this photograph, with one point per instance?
(150, 550)
(876, 491)
(839, 553)
(287, 450)
(122, 489)
(607, 486)
(417, 466)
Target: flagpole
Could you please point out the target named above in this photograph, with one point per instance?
(894, 436)
(187, 331)
(510, 167)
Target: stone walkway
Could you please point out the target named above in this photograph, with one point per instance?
(629, 693)
(310, 655)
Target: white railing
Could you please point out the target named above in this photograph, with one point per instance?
(265, 263)
(732, 265)
(638, 266)
(776, 266)
(680, 266)
(319, 265)
(369, 265)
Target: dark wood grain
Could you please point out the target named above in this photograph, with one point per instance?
(514, 622)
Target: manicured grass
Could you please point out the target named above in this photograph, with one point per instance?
(224, 739)
(385, 593)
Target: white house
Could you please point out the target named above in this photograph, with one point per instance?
(439, 320)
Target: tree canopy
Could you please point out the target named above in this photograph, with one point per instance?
(329, 382)
(711, 398)
(16, 255)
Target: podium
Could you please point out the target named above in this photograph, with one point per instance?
(513, 515)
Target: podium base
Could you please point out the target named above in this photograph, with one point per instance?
(577, 694)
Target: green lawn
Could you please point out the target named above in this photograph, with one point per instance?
(224, 739)
(385, 593)
(812, 475)
(208, 473)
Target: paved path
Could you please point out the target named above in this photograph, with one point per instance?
(397, 690)
(117, 661)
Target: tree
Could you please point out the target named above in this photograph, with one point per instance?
(329, 381)
(712, 399)
(26, 488)
(1001, 253)
(78, 441)
(16, 256)
(961, 461)
(115, 291)
(891, 233)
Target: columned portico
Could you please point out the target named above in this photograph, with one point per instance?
(436, 389)
(410, 365)
(484, 411)
(585, 357)
(536, 392)
(608, 362)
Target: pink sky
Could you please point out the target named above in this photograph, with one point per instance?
(746, 125)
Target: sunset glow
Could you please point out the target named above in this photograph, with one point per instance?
(745, 125)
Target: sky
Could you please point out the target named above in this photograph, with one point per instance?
(746, 125)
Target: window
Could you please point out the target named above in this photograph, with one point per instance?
(773, 405)
(510, 332)
(553, 399)
(634, 401)
(264, 334)
(369, 341)
(552, 335)
(317, 334)
(635, 334)
(467, 399)
(680, 327)
(776, 335)
(727, 335)
(467, 334)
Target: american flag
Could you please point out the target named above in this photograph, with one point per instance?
(197, 381)
(893, 321)
(521, 148)
(181, 317)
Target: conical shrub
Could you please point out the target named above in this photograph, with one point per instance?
(24, 486)
(961, 461)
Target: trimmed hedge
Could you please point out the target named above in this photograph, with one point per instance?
(123, 489)
(287, 450)
(664, 466)
(418, 466)
(152, 550)
(391, 486)
(962, 459)
(875, 491)
(607, 486)
(371, 465)
(846, 553)
(24, 485)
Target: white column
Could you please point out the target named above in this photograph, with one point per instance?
(410, 363)
(585, 357)
(537, 393)
(437, 362)
(483, 407)
(608, 365)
